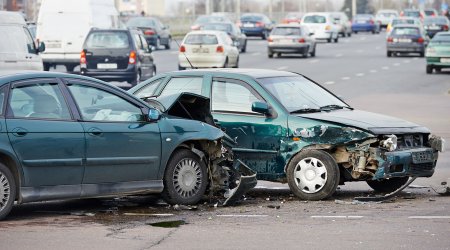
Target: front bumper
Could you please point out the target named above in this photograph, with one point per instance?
(436, 61)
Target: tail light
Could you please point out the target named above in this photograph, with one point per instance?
(83, 59)
(445, 27)
(285, 21)
(390, 39)
(149, 32)
(420, 40)
(328, 27)
(182, 49)
(301, 40)
(259, 24)
(372, 22)
(132, 58)
(219, 49)
(270, 39)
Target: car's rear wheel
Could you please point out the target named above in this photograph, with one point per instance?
(7, 191)
(336, 39)
(429, 69)
(70, 67)
(264, 35)
(329, 40)
(46, 66)
(349, 34)
(244, 48)
(185, 179)
(421, 54)
(181, 68)
(136, 79)
(389, 54)
(237, 63)
(313, 53)
(226, 63)
(270, 54)
(313, 175)
(387, 185)
(153, 71)
(169, 42)
(306, 53)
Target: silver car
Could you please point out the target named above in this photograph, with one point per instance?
(291, 39)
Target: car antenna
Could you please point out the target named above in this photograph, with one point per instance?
(184, 54)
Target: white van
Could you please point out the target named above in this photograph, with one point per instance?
(63, 26)
(17, 48)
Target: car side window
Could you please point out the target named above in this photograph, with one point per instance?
(149, 89)
(137, 41)
(144, 43)
(183, 84)
(230, 96)
(2, 100)
(99, 105)
(38, 101)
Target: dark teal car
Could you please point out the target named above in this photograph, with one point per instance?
(64, 137)
(289, 128)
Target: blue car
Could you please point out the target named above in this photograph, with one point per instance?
(253, 24)
(365, 22)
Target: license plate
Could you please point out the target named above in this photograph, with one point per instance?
(53, 45)
(361, 21)
(445, 60)
(249, 25)
(404, 40)
(434, 28)
(285, 40)
(107, 66)
(200, 50)
(422, 157)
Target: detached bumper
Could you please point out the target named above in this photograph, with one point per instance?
(246, 182)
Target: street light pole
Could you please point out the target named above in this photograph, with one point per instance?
(353, 8)
(238, 8)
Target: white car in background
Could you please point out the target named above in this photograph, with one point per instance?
(384, 17)
(207, 49)
(323, 25)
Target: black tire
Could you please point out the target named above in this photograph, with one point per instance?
(306, 54)
(70, 67)
(356, 32)
(389, 54)
(136, 79)
(429, 69)
(325, 173)
(387, 185)
(7, 191)
(313, 53)
(438, 70)
(226, 63)
(336, 39)
(270, 54)
(421, 54)
(237, 63)
(154, 71)
(349, 34)
(158, 43)
(181, 68)
(373, 31)
(264, 35)
(185, 166)
(244, 48)
(46, 66)
(167, 46)
(329, 40)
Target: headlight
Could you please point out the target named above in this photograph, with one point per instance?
(390, 143)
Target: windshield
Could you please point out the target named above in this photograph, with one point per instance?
(106, 39)
(315, 19)
(436, 20)
(363, 17)
(441, 38)
(286, 31)
(201, 39)
(297, 93)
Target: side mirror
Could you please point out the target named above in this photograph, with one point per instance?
(150, 48)
(41, 47)
(261, 107)
(311, 34)
(153, 115)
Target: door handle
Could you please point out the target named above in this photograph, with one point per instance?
(95, 132)
(19, 132)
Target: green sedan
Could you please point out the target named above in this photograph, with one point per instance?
(438, 52)
(290, 129)
(65, 137)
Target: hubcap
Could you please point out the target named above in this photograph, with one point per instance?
(4, 191)
(187, 178)
(310, 175)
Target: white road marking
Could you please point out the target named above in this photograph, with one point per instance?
(329, 82)
(406, 61)
(242, 215)
(429, 217)
(314, 61)
(337, 216)
(415, 58)
(256, 54)
(338, 55)
(359, 51)
(378, 47)
(373, 71)
(345, 78)
(360, 74)
(282, 67)
(363, 38)
(396, 64)
(385, 67)
(174, 52)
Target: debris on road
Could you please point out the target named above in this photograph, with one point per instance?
(273, 206)
(444, 189)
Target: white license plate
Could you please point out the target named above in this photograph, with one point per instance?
(200, 50)
(107, 66)
(445, 60)
(404, 40)
(249, 25)
(434, 28)
(361, 21)
(285, 40)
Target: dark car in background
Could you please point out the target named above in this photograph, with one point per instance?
(155, 32)
(433, 25)
(239, 39)
(117, 55)
(365, 22)
(407, 38)
(205, 19)
(255, 24)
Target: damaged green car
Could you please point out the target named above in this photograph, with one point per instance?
(290, 129)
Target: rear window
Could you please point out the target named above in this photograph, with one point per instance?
(315, 19)
(210, 19)
(386, 14)
(429, 12)
(201, 39)
(406, 31)
(251, 18)
(412, 13)
(287, 31)
(141, 22)
(402, 21)
(219, 27)
(107, 39)
(435, 20)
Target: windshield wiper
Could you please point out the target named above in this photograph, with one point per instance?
(333, 107)
(305, 110)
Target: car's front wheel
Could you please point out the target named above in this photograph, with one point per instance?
(313, 175)
(388, 185)
(429, 69)
(185, 179)
(7, 191)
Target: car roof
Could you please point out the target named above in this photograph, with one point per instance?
(7, 76)
(249, 72)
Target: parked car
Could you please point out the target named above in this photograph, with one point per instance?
(71, 137)
(322, 25)
(289, 128)
(365, 23)
(204, 19)
(438, 52)
(291, 39)
(155, 32)
(413, 13)
(430, 13)
(239, 39)
(436, 24)
(18, 50)
(403, 20)
(117, 55)
(207, 49)
(344, 25)
(407, 38)
(293, 17)
(384, 17)
(255, 24)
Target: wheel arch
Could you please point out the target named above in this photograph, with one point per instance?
(13, 165)
(324, 147)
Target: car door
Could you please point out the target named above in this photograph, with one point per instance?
(48, 141)
(121, 146)
(259, 138)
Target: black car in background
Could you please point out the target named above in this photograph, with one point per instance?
(239, 39)
(117, 55)
(156, 33)
(255, 24)
(436, 24)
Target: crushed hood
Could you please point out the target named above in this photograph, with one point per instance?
(372, 122)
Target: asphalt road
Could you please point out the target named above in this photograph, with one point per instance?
(356, 69)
